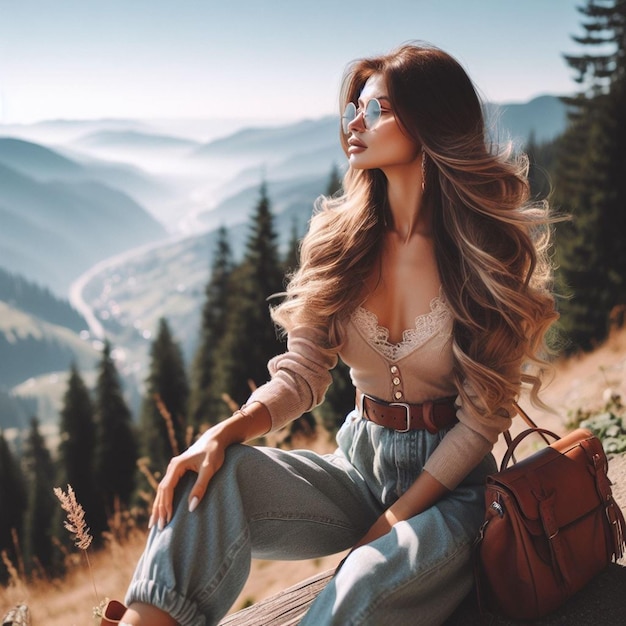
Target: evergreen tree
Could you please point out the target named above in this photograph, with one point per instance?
(339, 399)
(541, 162)
(76, 452)
(292, 258)
(13, 499)
(116, 447)
(165, 404)
(334, 181)
(250, 339)
(37, 541)
(591, 177)
(205, 402)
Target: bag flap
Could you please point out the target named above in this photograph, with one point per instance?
(565, 469)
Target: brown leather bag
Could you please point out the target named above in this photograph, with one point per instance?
(550, 526)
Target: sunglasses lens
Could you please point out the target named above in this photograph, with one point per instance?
(372, 113)
(348, 115)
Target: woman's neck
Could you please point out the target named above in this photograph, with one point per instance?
(404, 200)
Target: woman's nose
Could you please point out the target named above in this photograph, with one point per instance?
(358, 123)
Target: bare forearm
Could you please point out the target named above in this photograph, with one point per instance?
(421, 495)
(244, 425)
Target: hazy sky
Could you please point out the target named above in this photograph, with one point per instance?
(279, 59)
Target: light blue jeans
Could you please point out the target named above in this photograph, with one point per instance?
(274, 504)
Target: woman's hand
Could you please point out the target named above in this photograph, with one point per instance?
(204, 457)
(380, 527)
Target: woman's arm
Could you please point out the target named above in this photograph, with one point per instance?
(421, 495)
(206, 456)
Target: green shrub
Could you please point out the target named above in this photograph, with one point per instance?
(608, 424)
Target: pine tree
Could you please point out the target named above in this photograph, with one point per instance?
(165, 403)
(292, 258)
(13, 499)
(591, 178)
(204, 401)
(339, 399)
(116, 447)
(251, 339)
(541, 162)
(38, 531)
(76, 452)
(334, 181)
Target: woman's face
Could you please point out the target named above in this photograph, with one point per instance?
(385, 145)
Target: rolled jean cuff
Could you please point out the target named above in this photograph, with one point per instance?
(176, 606)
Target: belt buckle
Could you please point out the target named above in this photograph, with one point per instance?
(407, 408)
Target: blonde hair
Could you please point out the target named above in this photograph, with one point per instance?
(491, 244)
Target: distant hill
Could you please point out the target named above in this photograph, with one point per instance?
(15, 411)
(134, 139)
(37, 161)
(545, 117)
(285, 194)
(53, 231)
(274, 143)
(29, 347)
(64, 131)
(45, 164)
(31, 298)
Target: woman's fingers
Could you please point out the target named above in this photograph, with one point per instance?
(213, 460)
(205, 462)
(162, 508)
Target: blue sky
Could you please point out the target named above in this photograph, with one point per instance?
(258, 59)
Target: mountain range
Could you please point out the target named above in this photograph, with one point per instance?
(58, 220)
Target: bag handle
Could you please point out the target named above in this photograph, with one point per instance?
(531, 424)
(508, 455)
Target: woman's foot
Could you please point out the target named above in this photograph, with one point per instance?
(19, 615)
(113, 613)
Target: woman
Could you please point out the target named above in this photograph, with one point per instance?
(428, 277)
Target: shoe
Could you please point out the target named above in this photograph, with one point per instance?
(113, 613)
(19, 615)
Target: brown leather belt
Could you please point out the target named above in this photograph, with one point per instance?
(433, 415)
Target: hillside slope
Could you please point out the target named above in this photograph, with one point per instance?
(31, 346)
(54, 230)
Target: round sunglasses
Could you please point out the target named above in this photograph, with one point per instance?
(371, 115)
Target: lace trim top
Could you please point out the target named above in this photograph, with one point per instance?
(426, 326)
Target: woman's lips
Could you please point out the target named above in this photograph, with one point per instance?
(354, 145)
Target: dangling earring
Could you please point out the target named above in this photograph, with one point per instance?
(423, 170)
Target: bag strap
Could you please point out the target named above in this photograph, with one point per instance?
(508, 455)
(511, 445)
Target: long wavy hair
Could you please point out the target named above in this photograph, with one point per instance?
(491, 243)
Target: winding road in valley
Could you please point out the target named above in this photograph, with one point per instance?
(75, 295)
